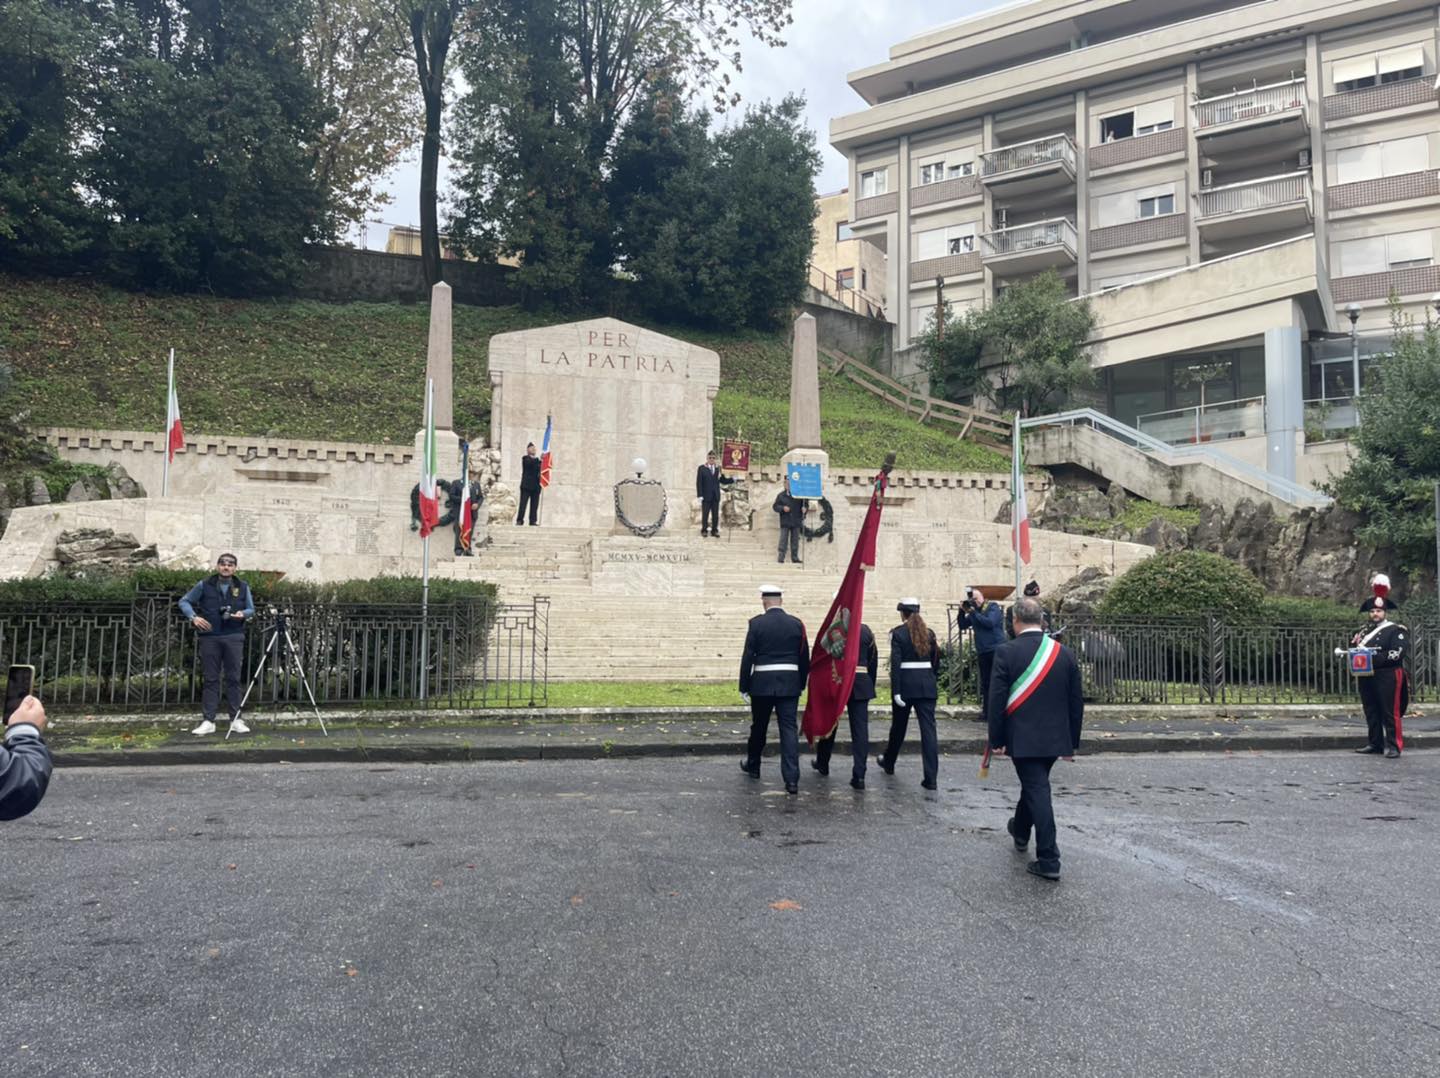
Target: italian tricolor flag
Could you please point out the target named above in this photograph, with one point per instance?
(429, 492)
(1035, 673)
(1019, 511)
(174, 432)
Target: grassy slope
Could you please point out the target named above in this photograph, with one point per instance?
(89, 356)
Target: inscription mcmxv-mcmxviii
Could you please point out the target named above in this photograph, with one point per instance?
(634, 362)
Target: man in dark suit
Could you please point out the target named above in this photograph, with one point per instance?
(1035, 711)
(861, 693)
(529, 485)
(772, 676)
(708, 481)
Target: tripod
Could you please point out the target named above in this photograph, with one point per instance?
(288, 654)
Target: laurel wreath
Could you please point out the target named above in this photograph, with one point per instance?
(826, 527)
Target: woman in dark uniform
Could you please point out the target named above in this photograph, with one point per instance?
(914, 666)
(861, 693)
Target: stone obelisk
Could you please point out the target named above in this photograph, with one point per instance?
(804, 440)
(439, 365)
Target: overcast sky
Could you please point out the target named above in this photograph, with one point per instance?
(829, 39)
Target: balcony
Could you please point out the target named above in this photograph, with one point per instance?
(1248, 118)
(1206, 423)
(1025, 249)
(1030, 168)
(1255, 207)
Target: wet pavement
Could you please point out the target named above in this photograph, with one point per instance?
(1249, 913)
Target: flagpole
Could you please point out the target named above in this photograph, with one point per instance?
(169, 388)
(1017, 478)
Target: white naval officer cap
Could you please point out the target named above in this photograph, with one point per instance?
(769, 590)
(909, 605)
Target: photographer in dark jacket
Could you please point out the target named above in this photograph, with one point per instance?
(25, 762)
(219, 607)
(988, 622)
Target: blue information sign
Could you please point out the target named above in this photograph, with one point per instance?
(804, 480)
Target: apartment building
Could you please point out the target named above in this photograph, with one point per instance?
(1232, 185)
(839, 261)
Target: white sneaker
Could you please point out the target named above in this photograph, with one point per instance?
(206, 727)
(237, 726)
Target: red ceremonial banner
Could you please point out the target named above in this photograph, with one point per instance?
(837, 648)
(734, 456)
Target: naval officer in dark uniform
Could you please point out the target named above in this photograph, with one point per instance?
(861, 693)
(1385, 694)
(772, 677)
(1035, 710)
(914, 666)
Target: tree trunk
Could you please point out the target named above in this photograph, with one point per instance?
(431, 25)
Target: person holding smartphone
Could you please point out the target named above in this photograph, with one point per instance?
(219, 607)
(25, 762)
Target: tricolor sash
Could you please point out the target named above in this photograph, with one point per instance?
(1038, 670)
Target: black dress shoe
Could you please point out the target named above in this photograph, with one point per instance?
(792, 787)
(1035, 868)
(1392, 754)
(1020, 847)
(857, 784)
(753, 772)
(824, 769)
(1370, 750)
(889, 769)
(927, 785)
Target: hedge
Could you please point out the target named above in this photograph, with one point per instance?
(1186, 583)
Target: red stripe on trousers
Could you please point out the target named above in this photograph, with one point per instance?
(1399, 684)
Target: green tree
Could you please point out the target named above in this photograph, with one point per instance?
(45, 46)
(550, 87)
(716, 228)
(364, 77)
(203, 162)
(951, 354)
(1034, 338)
(1391, 481)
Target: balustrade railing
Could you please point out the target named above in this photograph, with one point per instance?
(1058, 232)
(1273, 192)
(1042, 151)
(1212, 422)
(1241, 105)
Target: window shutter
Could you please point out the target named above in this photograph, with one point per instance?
(1357, 67)
(929, 244)
(1362, 256)
(1403, 155)
(1402, 59)
(1357, 163)
(1155, 112)
(1410, 247)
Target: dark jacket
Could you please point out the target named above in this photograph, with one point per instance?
(529, 473)
(708, 482)
(208, 597)
(867, 666)
(775, 639)
(1390, 644)
(1047, 721)
(24, 771)
(916, 682)
(989, 625)
(796, 517)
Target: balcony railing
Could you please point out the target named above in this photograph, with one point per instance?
(1212, 422)
(1256, 103)
(1054, 149)
(1329, 419)
(861, 303)
(1272, 192)
(1058, 232)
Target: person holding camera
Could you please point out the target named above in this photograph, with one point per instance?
(219, 607)
(25, 762)
(987, 621)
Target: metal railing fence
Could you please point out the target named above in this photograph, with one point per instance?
(1269, 193)
(1241, 418)
(143, 656)
(1251, 104)
(1042, 151)
(1203, 660)
(1058, 232)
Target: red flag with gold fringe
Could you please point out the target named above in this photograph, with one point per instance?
(837, 647)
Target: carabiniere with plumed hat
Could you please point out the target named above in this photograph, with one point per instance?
(1376, 658)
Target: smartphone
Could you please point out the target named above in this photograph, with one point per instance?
(18, 683)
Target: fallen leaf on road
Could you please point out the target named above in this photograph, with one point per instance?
(230, 867)
(437, 883)
(576, 900)
(786, 904)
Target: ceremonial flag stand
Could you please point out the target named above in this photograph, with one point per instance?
(174, 429)
(1019, 542)
(429, 513)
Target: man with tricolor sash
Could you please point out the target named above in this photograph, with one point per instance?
(1035, 710)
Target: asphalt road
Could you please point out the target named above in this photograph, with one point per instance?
(1247, 915)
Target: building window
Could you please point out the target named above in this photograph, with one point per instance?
(1157, 206)
(1374, 69)
(932, 173)
(964, 168)
(845, 278)
(1397, 157)
(940, 242)
(1406, 250)
(1357, 73)
(1121, 125)
(1376, 254)
(844, 232)
(875, 182)
(1401, 64)
(864, 281)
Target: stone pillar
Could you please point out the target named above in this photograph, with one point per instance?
(1284, 399)
(1082, 193)
(804, 440)
(901, 249)
(1192, 163)
(438, 357)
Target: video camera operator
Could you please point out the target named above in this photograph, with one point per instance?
(219, 607)
(25, 763)
(988, 622)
